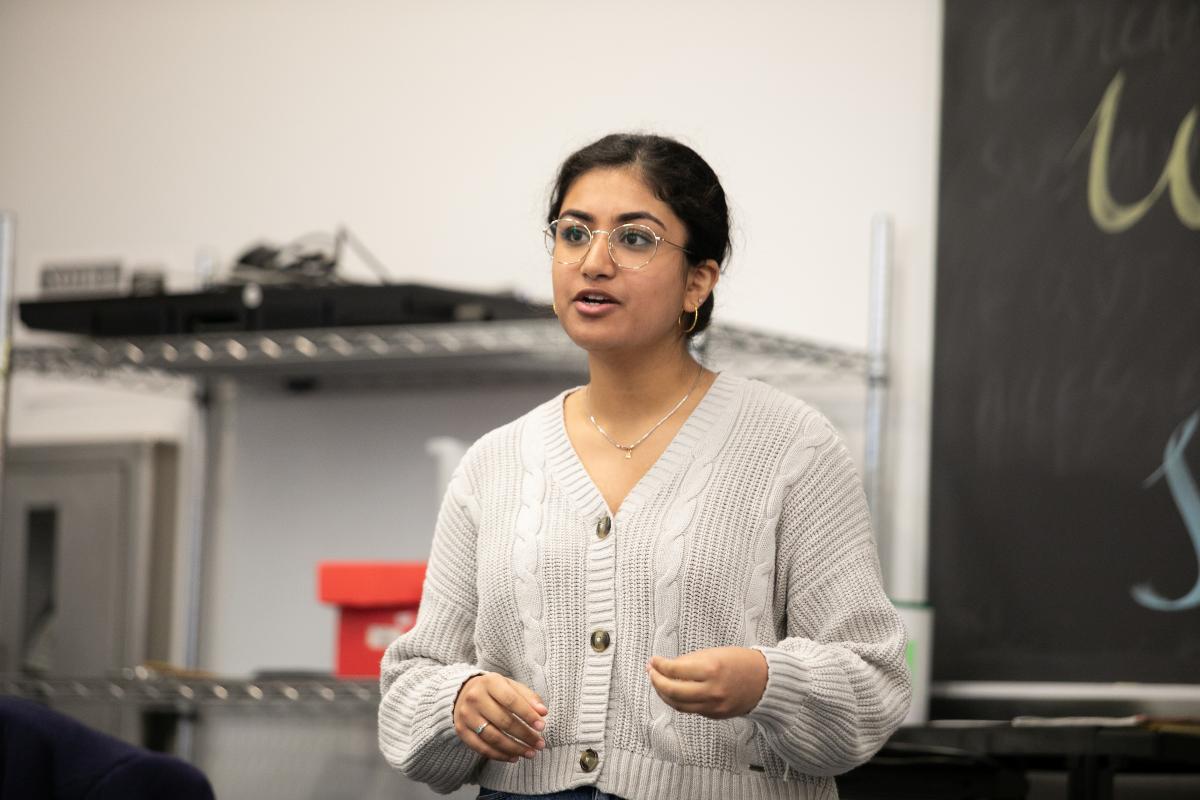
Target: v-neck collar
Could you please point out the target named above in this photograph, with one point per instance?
(566, 465)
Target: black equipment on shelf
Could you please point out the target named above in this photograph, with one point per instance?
(255, 308)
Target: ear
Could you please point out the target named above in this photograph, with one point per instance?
(701, 280)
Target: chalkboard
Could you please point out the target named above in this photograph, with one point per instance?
(1064, 514)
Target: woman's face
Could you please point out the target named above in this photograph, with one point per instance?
(646, 303)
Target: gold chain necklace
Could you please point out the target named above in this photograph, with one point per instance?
(628, 448)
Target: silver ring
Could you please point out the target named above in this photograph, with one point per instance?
(479, 730)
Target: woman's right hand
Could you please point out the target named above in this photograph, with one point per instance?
(509, 708)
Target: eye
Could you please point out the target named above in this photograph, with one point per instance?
(572, 233)
(635, 238)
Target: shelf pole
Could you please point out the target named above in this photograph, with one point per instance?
(200, 480)
(203, 471)
(877, 373)
(7, 303)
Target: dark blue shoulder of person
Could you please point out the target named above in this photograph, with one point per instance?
(45, 754)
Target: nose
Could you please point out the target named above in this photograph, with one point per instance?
(598, 261)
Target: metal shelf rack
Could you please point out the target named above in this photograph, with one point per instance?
(148, 690)
(535, 348)
(502, 351)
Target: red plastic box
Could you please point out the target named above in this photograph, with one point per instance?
(377, 600)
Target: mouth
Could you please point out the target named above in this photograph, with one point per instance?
(593, 297)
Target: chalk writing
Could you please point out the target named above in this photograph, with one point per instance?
(1069, 40)
(1187, 500)
(1113, 217)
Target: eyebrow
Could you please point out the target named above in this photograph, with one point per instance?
(629, 216)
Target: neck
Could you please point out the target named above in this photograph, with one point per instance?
(628, 389)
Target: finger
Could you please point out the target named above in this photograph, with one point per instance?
(533, 698)
(503, 722)
(688, 708)
(521, 703)
(518, 715)
(680, 691)
(495, 738)
(702, 709)
(481, 745)
(689, 667)
(483, 748)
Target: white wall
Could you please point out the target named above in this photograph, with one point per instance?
(156, 131)
(314, 478)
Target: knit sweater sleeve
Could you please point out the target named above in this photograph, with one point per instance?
(837, 684)
(423, 670)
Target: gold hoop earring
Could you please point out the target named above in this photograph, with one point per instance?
(554, 307)
(695, 319)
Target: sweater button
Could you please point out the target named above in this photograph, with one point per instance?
(603, 527)
(600, 641)
(588, 760)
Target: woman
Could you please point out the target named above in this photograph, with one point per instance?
(662, 584)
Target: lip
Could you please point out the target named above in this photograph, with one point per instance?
(595, 310)
(590, 310)
(598, 292)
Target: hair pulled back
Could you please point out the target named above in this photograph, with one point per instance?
(678, 176)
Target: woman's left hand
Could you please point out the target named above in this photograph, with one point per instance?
(719, 682)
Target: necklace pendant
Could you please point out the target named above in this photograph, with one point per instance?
(629, 448)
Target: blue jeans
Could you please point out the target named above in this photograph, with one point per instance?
(582, 793)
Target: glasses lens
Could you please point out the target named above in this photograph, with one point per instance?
(632, 246)
(567, 240)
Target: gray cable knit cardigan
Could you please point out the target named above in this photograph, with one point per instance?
(750, 530)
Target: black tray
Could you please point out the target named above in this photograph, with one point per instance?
(227, 309)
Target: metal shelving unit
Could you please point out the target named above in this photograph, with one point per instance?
(417, 353)
(184, 694)
(298, 736)
(423, 355)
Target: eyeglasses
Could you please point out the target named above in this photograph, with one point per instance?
(631, 246)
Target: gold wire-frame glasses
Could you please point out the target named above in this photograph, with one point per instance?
(630, 246)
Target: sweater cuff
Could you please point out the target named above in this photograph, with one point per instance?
(788, 685)
(430, 751)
